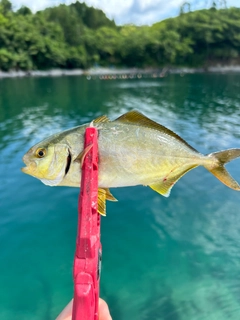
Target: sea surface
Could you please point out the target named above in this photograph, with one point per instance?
(175, 258)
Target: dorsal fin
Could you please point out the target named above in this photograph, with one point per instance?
(101, 119)
(136, 118)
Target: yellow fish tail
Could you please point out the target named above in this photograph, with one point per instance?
(218, 169)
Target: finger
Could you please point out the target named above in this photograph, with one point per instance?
(104, 313)
(66, 314)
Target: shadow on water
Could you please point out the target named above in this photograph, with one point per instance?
(160, 305)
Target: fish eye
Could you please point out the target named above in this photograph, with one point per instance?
(40, 153)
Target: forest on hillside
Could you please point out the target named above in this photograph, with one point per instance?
(78, 36)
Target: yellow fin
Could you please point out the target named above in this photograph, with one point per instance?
(218, 169)
(101, 202)
(101, 119)
(103, 195)
(137, 118)
(109, 196)
(164, 187)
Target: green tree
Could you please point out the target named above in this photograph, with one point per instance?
(24, 11)
(78, 36)
(67, 18)
(107, 44)
(5, 6)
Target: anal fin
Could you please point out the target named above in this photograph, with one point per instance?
(164, 187)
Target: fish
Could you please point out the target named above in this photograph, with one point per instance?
(133, 150)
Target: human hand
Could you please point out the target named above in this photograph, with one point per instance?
(104, 313)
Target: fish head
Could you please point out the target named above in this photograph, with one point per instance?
(48, 162)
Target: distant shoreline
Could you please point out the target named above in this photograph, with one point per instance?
(114, 73)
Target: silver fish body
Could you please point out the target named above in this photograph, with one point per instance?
(130, 155)
(133, 150)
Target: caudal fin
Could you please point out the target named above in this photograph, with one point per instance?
(218, 170)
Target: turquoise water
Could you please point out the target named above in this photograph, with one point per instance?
(175, 258)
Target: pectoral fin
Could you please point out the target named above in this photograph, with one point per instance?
(103, 195)
(80, 158)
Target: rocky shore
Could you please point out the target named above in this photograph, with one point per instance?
(114, 73)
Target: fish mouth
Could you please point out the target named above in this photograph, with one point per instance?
(68, 163)
(24, 170)
(30, 167)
